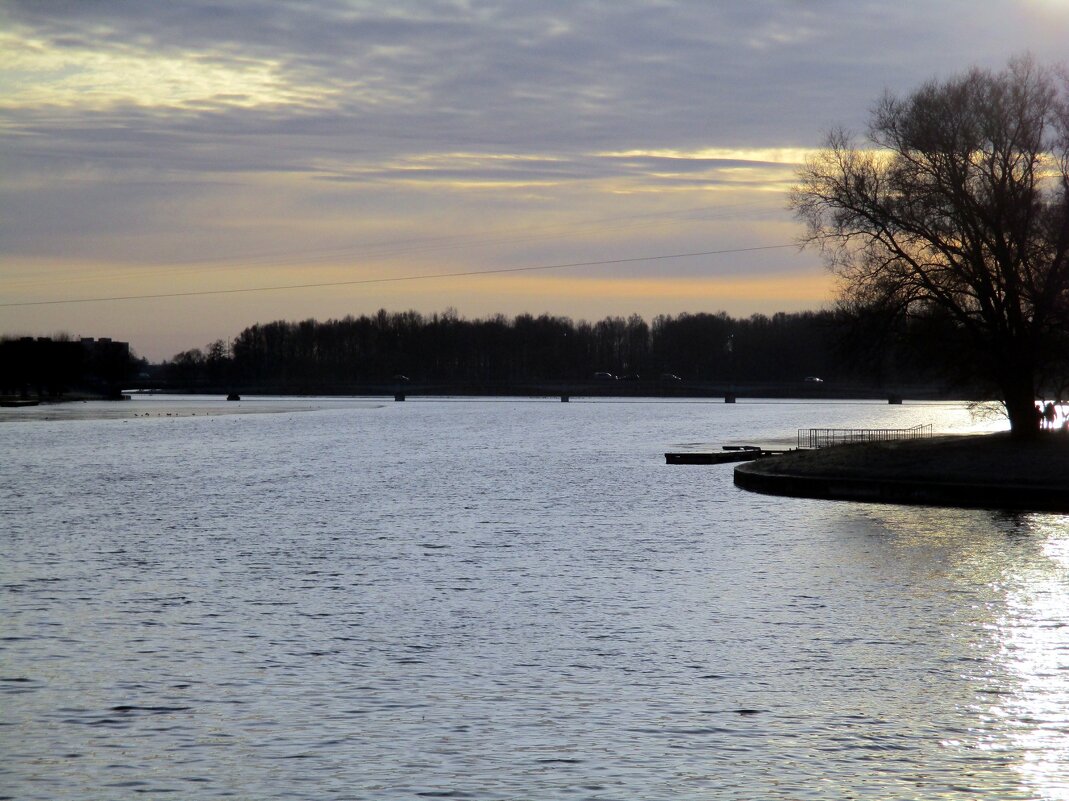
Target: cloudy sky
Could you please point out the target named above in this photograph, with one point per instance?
(173, 171)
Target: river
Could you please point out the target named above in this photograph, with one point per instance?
(507, 599)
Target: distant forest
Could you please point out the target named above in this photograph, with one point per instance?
(444, 347)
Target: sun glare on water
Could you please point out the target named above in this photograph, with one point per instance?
(1034, 638)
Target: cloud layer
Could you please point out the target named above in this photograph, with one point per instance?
(200, 144)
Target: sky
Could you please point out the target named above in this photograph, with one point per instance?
(173, 172)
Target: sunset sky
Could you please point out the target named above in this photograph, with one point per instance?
(256, 160)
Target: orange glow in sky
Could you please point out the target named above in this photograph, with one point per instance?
(185, 155)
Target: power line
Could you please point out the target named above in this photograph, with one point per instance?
(374, 251)
(393, 279)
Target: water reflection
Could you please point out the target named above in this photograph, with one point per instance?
(1033, 640)
(1005, 581)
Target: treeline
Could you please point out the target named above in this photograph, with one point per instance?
(448, 348)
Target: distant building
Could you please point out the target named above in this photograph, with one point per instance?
(48, 367)
(106, 349)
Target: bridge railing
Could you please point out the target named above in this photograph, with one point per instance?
(823, 437)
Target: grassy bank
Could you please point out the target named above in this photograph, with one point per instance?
(990, 470)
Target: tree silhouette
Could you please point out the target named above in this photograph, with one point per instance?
(959, 202)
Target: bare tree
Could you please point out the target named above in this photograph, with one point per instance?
(959, 200)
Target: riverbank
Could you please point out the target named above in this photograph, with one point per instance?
(982, 471)
(175, 406)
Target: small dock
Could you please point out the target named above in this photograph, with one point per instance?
(728, 453)
(808, 439)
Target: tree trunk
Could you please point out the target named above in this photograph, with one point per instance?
(1019, 394)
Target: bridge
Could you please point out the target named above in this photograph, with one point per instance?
(655, 388)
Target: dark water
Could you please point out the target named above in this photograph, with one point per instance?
(508, 600)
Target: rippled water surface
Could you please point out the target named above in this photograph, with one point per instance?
(507, 600)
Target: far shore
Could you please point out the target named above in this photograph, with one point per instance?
(167, 406)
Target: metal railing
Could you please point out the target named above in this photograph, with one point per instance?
(823, 437)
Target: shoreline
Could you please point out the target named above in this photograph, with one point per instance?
(984, 471)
